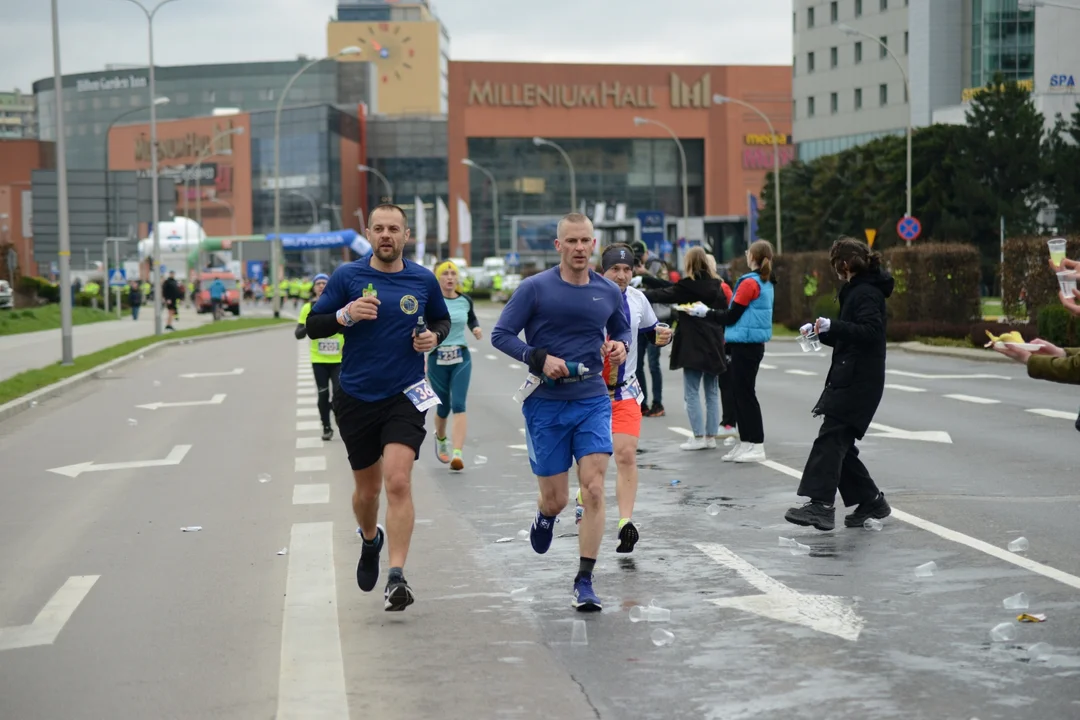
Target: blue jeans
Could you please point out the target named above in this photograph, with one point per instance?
(710, 424)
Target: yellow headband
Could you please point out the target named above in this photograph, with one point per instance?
(446, 265)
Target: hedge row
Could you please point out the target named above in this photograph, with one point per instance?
(1028, 281)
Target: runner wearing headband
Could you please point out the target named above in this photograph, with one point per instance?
(325, 356)
(449, 367)
(625, 391)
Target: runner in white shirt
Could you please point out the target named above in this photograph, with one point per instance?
(625, 391)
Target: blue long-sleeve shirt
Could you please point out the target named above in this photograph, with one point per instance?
(571, 322)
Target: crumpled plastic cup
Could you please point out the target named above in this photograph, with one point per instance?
(579, 635)
(713, 510)
(1019, 545)
(1019, 601)
(926, 569)
(1003, 632)
(660, 638)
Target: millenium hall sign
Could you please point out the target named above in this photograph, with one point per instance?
(598, 95)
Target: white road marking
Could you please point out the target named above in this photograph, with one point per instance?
(234, 371)
(307, 412)
(682, 431)
(807, 373)
(175, 457)
(763, 366)
(215, 400)
(307, 400)
(795, 354)
(924, 376)
(518, 447)
(305, 384)
(1056, 414)
(904, 388)
(515, 366)
(313, 494)
(934, 436)
(973, 399)
(824, 613)
(306, 391)
(304, 425)
(310, 463)
(491, 357)
(51, 620)
(309, 443)
(311, 683)
(958, 537)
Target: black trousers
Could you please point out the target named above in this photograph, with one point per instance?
(833, 465)
(643, 343)
(326, 374)
(745, 362)
(729, 417)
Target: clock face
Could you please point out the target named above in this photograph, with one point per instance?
(390, 48)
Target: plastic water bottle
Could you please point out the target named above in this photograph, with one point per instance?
(532, 381)
(421, 326)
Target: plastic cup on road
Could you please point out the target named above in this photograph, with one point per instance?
(1019, 601)
(638, 613)
(659, 614)
(1020, 544)
(1040, 651)
(1067, 281)
(661, 638)
(926, 570)
(1005, 632)
(579, 635)
(1057, 250)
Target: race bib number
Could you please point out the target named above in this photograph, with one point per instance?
(422, 396)
(631, 390)
(329, 347)
(449, 356)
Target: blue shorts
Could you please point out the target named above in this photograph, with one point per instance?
(558, 432)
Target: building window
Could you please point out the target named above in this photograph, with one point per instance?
(858, 8)
(209, 96)
(883, 94)
(810, 107)
(834, 58)
(794, 22)
(809, 62)
(810, 17)
(905, 42)
(858, 52)
(884, 5)
(834, 12)
(858, 98)
(834, 103)
(883, 51)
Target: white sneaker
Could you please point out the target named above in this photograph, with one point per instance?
(754, 453)
(734, 452)
(694, 443)
(710, 443)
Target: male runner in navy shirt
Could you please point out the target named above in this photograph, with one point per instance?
(391, 312)
(566, 312)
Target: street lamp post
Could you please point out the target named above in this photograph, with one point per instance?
(848, 30)
(539, 142)
(275, 246)
(494, 197)
(386, 183)
(720, 100)
(639, 121)
(67, 356)
(155, 272)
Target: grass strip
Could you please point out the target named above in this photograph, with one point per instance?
(27, 382)
(47, 317)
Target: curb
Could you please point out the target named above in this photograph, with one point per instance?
(18, 405)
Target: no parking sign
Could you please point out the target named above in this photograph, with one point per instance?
(909, 228)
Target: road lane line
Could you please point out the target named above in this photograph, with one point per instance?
(958, 537)
(307, 412)
(309, 443)
(491, 357)
(925, 376)
(1056, 414)
(904, 388)
(311, 494)
(52, 618)
(806, 373)
(307, 400)
(682, 431)
(305, 391)
(305, 425)
(763, 366)
(311, 683)
(973, 399)
(310, 463)
(515, 366)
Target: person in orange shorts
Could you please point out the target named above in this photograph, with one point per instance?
(617, 264)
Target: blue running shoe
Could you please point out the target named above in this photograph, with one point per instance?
(541, 533)
(585, 599)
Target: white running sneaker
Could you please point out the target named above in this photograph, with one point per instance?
(710, 443)
(734, 452)
(754, 453)
(694, 443)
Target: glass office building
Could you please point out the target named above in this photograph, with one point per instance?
(95, 101)
(1002, 41)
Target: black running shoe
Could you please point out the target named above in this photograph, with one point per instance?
(877, 508)
(628, 537)
(814, 514)
(398, 595)
(327, 433)
(367, 570)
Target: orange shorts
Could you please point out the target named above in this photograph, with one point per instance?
(626, 417)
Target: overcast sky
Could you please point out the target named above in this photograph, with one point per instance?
(94, 33)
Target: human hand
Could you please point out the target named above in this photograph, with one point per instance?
(1047, 348)
(365, 308)
(555, 368)
(1014, 353)
(698, 310)
(663, 336)
(615, 351)
(822, 325)
(425, 341)
(805, 329)
(1066, 264)
(635, 281)
(1070, 303)
(478, 333)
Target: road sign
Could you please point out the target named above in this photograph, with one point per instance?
(256, 270)
(117, 277)
(909, 228)
(513, 258)
(871, 234)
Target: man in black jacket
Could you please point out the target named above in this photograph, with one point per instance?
(171, 292)
(853, 391)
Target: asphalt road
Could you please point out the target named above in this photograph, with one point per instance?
(108, 610)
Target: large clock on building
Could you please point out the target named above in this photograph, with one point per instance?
(389, 46)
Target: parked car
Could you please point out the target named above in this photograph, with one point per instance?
(232, 292)
(7, 298)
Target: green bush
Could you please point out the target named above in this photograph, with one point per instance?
(935, 282)
(39, 288)
(1057, 325)
(827, 306)
(799, 281)
(1028, 281)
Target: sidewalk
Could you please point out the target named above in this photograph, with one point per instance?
(29, 351)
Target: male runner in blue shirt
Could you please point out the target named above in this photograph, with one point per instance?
(391, 311)
(566, 312)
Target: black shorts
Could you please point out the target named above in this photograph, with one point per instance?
(367, 427)
(170, 305)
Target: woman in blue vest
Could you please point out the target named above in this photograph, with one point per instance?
(749, 327)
